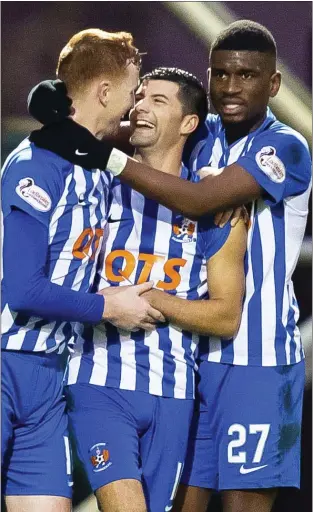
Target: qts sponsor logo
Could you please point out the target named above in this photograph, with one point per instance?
(120, 264)
(100, 457)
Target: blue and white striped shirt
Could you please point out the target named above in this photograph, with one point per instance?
(279, 160)
(147, 241)
(71, 202)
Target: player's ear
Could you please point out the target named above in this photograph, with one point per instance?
(103, 92)
(275, 82)
(189, 124)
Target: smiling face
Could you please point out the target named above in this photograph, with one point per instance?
(157, 118)
(241, 83)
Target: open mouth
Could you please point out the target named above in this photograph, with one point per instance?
(232, 108)
(144, 124)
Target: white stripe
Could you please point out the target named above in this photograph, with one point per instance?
(240, 342)
(65, 258)
(67, 456)
(156, 363)
(100, 357)
(43, 336)
(178, 352)
(268, 291)
(7, 319)
(59, 210)
(217, 152)
(236, 151)
(215, 354)
(76, 354)
(128, 365)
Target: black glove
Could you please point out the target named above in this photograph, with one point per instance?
(48, 102)
(74, 143)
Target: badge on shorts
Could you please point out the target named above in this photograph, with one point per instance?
(100, 457)
(270, 164)
(33, 195)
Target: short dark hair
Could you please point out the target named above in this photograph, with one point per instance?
(245, 35)
(192, 93)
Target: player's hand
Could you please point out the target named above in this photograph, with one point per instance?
(127, 310)
(234, 215)
(48, 102)
(74, 143)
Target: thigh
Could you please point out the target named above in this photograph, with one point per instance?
(105, 433)
(40, 457)
(163, 450)
(120, 496)
(38, 504)
(255, 500)
(258, 434)
(201, 465)
(191, 499)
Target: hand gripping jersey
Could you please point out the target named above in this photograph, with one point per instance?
(147, 241)
(71, 203)
(278, 158)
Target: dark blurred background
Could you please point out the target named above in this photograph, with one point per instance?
(33, 34)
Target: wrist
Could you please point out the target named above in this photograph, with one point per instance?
(117, 162)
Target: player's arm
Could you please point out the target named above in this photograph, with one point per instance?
(219, 315)
(29, 291)
(276, 166)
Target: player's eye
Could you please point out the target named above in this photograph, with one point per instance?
(246, 76)
(219, 74)
(159, 100)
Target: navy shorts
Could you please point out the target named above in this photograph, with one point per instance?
(34, 439)
(123, 434)
(246, 428)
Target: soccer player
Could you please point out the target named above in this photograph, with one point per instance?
(54, 215)
(131, 393)
(247, 441)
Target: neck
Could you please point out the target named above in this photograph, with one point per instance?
(236, 131)
(168, 161)
(85, 115)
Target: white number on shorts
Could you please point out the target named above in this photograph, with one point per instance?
(241, 457)
(236, 443)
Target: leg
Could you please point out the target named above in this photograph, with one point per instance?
(200, 475)
(38, 504)
(259, 435)
(120, 496)
(192, 499)
(163, 450)
(39, 473)
(105, 425)
(258, 500)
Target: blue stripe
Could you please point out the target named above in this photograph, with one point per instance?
(86, 362)
(63, 229)
(175, 250)
(278, 217)
(147, 239)
(113, 339)
(254, 307)
(76, 263)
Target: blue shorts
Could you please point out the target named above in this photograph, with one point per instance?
(121, 434)
(246, 427)
(34, 438)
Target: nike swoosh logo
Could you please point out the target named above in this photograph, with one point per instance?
(110, 219)
(245, 471)
(79, 153)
